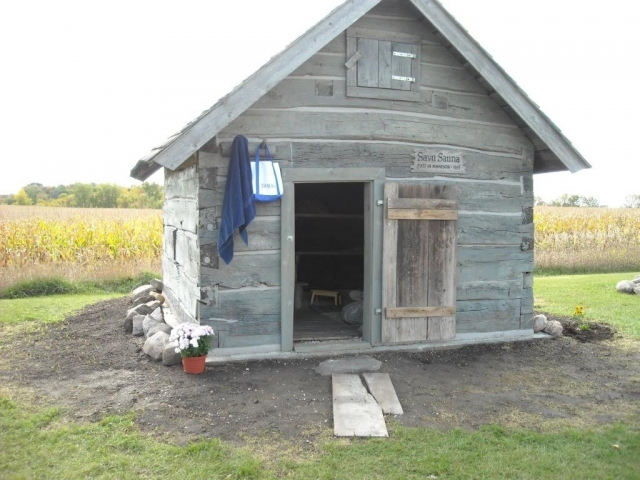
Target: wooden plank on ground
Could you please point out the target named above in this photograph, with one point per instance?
(380, 386)
(355, 411)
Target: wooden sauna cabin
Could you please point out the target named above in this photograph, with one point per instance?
(407, 158)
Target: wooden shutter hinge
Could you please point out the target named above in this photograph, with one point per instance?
(403, 79)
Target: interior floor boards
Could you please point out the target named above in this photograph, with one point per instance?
(309, 325)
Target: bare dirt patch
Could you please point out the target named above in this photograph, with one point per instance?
(90, 366)
(585, 331)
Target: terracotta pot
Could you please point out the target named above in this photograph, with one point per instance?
(193, 364)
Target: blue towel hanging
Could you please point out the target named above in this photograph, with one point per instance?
(238, 207)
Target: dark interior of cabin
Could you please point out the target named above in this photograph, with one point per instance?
(329, 260)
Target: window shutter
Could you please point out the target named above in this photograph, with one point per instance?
(419, 263)
(383, 65)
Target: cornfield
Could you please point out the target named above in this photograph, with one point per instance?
(77, 243)
(587, 240)
(99, 244)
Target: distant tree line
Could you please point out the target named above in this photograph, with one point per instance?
(566, 200)
(88, 195)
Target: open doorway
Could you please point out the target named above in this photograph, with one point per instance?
(329, 258)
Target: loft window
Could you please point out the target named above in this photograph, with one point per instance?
(383, 65)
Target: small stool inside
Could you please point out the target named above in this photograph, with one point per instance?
(325, 293)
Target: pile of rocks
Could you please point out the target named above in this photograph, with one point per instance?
(147, 318)
(552, 327)
(629, 286)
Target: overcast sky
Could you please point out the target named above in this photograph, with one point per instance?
(89, 87)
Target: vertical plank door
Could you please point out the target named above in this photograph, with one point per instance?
(419, 263)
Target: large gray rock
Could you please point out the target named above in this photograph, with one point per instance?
(157, 315)
(157, 284)
(160, 327)
(128, 325)
(143, 299)
(137, 329)
(348, 365)
(169, 355)
(142, 309)
(153, 305)
(553, 328)
(539, 322)
(149, 322)
(142, 290)
(625, 286)
(154, 346)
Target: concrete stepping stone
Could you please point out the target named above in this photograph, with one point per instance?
(381, 388)
(359, 364)
(355, 411)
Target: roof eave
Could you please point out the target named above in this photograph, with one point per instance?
(502, 83)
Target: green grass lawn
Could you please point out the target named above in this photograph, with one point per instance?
(52, 308)
(559, 295)
(38, 443)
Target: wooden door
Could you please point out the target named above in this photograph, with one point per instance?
(419, 263)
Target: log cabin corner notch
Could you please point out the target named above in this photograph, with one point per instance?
(405, 149)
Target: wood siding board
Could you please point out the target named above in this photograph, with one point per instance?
(392, 29)
(395, 8)
(450, 79)
(187, 253)
(488, 290)
(181, 214)
(244, 271)
(380, 126)
(488, 315)
(245, 305)
(184, 288)
(182, 183)
(300, 92)
(489, 230)
(263, 233)
(415, 69)
(397, 159)
(441, 285)
(421, 214)
(490, 263)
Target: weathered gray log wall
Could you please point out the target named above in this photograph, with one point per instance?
(180, 259)
(310, 122)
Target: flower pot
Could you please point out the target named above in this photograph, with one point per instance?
(193, 364)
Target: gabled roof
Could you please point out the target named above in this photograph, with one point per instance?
(553, 151)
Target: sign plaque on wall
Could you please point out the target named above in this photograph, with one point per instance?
(437, 161)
